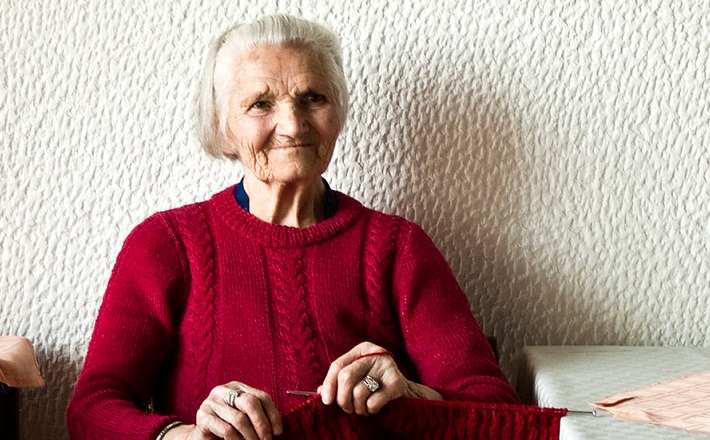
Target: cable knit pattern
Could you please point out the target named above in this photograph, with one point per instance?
(296, 333)
(283, 340)
(195, 228)
(379, 257)
(207, 294)
(305, 340)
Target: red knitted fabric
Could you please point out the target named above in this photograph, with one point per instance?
(207, 294)
(413, 419)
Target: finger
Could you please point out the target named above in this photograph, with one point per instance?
(238, 421)
(348, 378)
(252, 405)
(211, 425)
(263, 406)
(330, 384)
(391, 387)
(233, 415)
(376, 402)
(359, 350)
(272, 413)
(360, 397)
(386, 376)
(329, 388)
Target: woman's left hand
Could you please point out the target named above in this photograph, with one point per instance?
(345, 381)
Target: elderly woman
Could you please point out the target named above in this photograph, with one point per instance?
(215, 311)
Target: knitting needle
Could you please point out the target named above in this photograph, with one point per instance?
(570, 411)
(594, 413)
(301, 393)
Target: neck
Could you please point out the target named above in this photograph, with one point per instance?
(297, 204)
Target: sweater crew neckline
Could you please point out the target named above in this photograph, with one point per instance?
(272, 235)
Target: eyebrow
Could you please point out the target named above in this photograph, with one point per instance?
(259, 95)
(310, 90)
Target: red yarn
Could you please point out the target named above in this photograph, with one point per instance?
(377, 353)
(413, 419)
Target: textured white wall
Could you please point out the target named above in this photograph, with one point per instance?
(557, 152)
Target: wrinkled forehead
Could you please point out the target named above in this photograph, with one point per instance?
(280, 58)
(287, 68)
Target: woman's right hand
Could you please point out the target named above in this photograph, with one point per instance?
(253, 416)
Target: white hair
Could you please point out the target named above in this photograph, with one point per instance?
(217, 82)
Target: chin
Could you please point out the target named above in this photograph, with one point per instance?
(297, 176)
(298, 170)
(290, 173)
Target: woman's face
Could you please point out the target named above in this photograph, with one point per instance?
(283, 120)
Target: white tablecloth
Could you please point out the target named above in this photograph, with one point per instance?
(572, 376)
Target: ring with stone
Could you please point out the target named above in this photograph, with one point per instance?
(371, 383)
(232, 396)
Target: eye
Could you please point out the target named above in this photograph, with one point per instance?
(259, 105)
(315, 98)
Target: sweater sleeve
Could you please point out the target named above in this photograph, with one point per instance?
(448, 348)
(134, 336)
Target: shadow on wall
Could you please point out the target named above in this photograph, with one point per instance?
(471, 179)
(39, 418)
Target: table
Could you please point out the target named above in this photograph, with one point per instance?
(572, 376)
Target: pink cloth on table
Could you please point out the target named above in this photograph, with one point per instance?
(18, 363)
(682, 404)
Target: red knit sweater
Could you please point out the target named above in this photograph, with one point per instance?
(207, 293)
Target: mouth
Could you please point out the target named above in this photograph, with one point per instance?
(290, 146)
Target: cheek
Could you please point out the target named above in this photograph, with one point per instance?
(330, 127)
(247, 135)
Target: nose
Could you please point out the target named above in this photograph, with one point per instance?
(290, 120)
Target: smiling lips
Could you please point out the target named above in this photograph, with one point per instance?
(288, 146)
